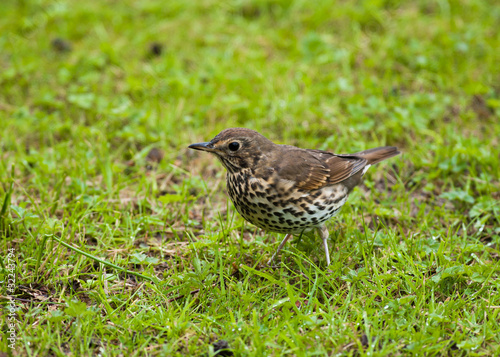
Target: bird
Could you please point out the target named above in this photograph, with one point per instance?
(286, 189)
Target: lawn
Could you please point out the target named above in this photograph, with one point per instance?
(117, 240)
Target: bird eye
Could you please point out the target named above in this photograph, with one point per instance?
(234, 146)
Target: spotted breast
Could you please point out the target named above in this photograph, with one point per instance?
(273, 206)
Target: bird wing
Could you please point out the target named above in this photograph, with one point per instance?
(314, 169)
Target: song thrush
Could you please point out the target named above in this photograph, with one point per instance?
(285, 189)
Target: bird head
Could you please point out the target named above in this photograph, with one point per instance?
(237, 148)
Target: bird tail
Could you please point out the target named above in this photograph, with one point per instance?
(376, 155)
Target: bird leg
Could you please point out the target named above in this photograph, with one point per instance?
(323, 232)
(282, 244)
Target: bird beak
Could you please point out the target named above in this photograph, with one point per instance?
(202, 146)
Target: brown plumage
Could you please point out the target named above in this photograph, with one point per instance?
(285, 189)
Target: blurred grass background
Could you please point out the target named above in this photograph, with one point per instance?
(99, 100)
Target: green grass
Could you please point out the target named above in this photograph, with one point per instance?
(415, 252)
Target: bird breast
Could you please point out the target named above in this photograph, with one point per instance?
(278, 206)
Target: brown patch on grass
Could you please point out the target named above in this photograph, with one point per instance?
(154, 157)
(479, 105)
